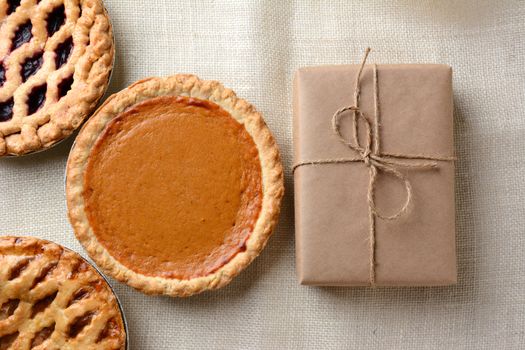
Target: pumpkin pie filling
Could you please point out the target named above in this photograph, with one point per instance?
(173, 187)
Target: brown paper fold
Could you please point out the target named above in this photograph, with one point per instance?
(332, 213)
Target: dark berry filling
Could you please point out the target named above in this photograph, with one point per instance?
(6, 110)
(22, 35)
(12, 5)
(2, 74)
(64, 86)
(55, 20)
(62, 52)
(32, 65)
(36, 98)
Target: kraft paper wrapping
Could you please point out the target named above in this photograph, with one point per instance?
(331, 207)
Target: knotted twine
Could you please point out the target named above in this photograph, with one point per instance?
(376, 161)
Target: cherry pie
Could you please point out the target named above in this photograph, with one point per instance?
(56, 57)
(50, 298)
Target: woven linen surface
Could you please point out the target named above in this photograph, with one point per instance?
(254, 47)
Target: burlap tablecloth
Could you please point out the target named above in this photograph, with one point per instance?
(254, 47)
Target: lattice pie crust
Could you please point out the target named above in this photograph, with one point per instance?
(50, 298)
(56, 57)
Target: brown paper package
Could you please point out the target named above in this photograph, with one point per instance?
(331, 208)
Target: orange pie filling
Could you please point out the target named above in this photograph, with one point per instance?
(173, 187)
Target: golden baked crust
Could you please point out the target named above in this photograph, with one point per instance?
(51, 82)
(244, 113)
(51, 298)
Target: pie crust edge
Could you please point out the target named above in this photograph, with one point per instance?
(271, 170)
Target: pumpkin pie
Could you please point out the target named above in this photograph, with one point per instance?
(55, 62)
(51, 298)
(174, 185)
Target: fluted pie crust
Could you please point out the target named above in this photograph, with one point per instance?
(51, 298)
(56, 58)
(271, 175)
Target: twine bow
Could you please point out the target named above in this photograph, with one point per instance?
(369, 154)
